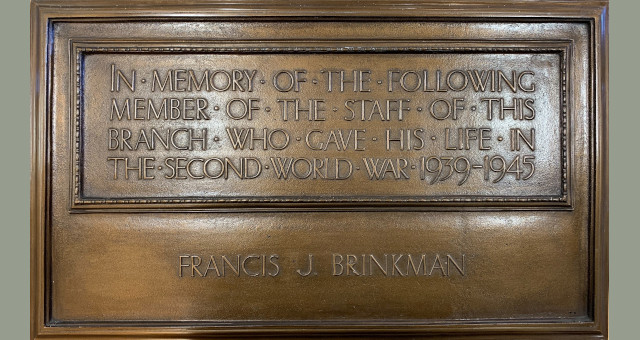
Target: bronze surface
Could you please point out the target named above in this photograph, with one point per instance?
(445, 172)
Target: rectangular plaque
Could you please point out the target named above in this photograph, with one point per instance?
(257, 169)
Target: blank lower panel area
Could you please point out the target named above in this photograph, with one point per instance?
(431, 267)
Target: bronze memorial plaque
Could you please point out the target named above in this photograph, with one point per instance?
(327, 168)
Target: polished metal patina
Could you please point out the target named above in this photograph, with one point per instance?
(263, 169)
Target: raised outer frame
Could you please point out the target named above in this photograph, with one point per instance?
(79, 203)
(43, 12)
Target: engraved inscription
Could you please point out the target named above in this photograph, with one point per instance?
(330, 127)
(253, 265)
(336, 264)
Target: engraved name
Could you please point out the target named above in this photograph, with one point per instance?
(337, 264)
